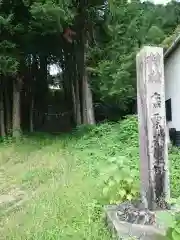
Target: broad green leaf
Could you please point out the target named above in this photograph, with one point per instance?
(177, 228)
(178, 201)
(134, 192)
(105, 191)
(122, 192)
(175, 235)
(112, 201)
(129, 197)
(166, 218)
(169, 234)
(172, 201)
(111, 183)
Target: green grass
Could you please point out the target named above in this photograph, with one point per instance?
(61, 190)
(62, 181)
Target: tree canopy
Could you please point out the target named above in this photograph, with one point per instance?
(93, 42)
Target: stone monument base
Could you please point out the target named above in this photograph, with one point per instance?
(137, 228)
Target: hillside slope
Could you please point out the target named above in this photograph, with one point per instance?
(51, 187)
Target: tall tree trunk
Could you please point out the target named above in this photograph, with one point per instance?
(34, 91)
(8, 108)
(84, 99)
(81, 27)
(31, 115)
(86, 95)
(78, 105)
(2, 122)
(74, 101)
(16, 131)
(88, 110)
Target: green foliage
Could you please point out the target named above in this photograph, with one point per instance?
(107, 145)
(174, 156)
(155, 35)
(62, 196)
(70, 180)
(8, 65)
(116, 31)
(97, 144)
(111, 150)
(129, 130)
(48, 14)
(107, 150)
(75, 169)
(171, 38)
(127, 26)
(8, 62)
(171, 221)
(120, 181)
(28, 28)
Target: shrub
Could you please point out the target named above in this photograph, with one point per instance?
(120, 181)
(171, 221)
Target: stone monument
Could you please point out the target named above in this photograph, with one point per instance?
(152, 128)
(139, 220)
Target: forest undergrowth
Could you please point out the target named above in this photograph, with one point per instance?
(55, 187)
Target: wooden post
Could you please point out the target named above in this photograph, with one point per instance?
(152, 128)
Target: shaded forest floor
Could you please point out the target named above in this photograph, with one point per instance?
(51, 187)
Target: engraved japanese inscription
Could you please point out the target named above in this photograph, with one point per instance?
(152, 125)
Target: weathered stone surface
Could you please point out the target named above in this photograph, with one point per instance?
(152, 128)
(132, 212)
(124, 230)
(141, 221)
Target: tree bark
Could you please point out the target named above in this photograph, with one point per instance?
(74, 101)
(78, 105)
(2, 122)
(87, 102)
(16, 131)
(34, 92)
(8, 111)
(31, 115)
(84, 101)
(88, 110)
